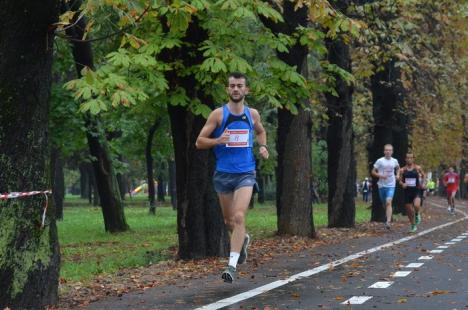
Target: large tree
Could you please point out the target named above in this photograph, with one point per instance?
(293, 190)
(29, 256)
(340, 136)
(106, 180)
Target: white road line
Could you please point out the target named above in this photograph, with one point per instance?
(425, 257)
(381, 284)
(450, 243)
(400, 274)
(461, 237)
(436, 251)
(356, 300)
(442, 247)
(414, 265)
(456, 240)
(268, 287)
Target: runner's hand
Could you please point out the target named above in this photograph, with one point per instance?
(383, 177)
(224, 139)
(404, 185)
(264, 152)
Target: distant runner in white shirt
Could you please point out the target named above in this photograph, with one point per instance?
(386, 168)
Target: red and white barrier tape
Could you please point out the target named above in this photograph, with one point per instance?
(14, 195)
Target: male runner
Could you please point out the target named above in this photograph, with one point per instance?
(412, 180)
(229, 130)
(451, 180)
(384, 169)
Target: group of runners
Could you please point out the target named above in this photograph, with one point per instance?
(412, 179)
(230, 131)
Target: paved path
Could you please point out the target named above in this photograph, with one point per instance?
(394, 271)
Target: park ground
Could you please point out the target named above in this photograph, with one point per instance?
(142, 260)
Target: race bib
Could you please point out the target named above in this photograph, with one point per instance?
(238, 138)
(451, 180)
(410, 182)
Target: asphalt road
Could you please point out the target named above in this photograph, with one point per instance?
(394, 271)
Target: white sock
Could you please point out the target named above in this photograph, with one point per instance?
(233, 258)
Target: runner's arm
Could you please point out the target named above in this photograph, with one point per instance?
(260, 133)
(204, 141)
(423, 177)
(400, 177)
(398, 172)
(375, 173)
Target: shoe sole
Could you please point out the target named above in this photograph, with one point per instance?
(227, 277)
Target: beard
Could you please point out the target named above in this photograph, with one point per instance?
(238, 99)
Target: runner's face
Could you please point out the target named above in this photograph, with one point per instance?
(237, 89)
(409, 159)
(388, 151)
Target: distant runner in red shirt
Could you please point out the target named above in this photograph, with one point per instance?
(451, 180)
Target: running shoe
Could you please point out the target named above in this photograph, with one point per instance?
(243, 252)
(418, 218)
(387, 225)
(413, 228)
(229, 274)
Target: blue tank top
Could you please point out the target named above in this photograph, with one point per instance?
(235, 159)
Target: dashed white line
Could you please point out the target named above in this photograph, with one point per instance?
(268, 287)
(436, 251)
(414, 265)
(456, 240)
(442, 247)
(462, 237)
(450, 243)
(381, 284)
(425, 257)
(401, 274)
(356, 300)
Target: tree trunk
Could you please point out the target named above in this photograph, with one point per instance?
(340, 137)
(122, 182)
(58, 182)
(200, 223)
(294, 137)
(161, 193)
(29, 255)
(391, 125)
(172, 184)
(111, 204)
(84, 181)
(261, 187)
(149, 167)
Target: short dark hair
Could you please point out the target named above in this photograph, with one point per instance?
(238, 75)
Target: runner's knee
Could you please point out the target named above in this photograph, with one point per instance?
(238, 219)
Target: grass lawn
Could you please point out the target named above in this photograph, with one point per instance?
(87, 250)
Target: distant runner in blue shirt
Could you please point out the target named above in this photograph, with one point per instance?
(230, 131)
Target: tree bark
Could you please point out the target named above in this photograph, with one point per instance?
(149, 167)
(58, 182)
(340, 137)
(84, 181)
(200, 223)
(391, 125)
(294, 137)
(172, 183)
(106, 181)
(162, 172)
(29, 255)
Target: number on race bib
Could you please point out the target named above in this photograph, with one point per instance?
(238, 138)
(410, 182)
